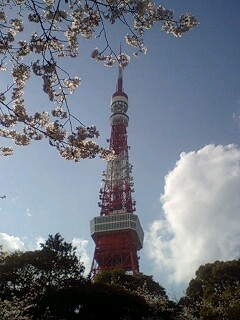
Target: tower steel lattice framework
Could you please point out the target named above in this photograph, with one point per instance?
(117, 232)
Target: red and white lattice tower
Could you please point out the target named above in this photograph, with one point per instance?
(117, 232)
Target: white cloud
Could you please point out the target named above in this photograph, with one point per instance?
(11, 243)
(201, 205)
(28, 213)
(81, 251)
(40, 240)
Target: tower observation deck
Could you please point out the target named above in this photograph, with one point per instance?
(117, 232)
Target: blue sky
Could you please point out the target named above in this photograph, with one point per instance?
(184, 129)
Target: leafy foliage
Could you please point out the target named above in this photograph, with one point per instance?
(92, 301)
(49, 284)
(143, 286)
(132, 283)
(39, 38)
(215, 292)
(55, 266)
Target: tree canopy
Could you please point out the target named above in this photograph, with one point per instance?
(49, 283)
(38, 39)
(215, 291)
(54, 266)
(154, 295)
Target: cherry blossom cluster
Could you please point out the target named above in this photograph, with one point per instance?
(81, 146)
(16, 308)
(6, 151)
(123, 59)
(36, 37)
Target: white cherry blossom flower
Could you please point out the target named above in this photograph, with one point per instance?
(52, 33)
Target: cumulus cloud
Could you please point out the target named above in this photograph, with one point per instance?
(201, 206)
(81, 251)
(40, 241)
(11, 243)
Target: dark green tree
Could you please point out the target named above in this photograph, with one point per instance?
(91, 301)
(54, 266)
(110, 295)
(131, 282)
(160, 307)
(215, 291)
(49, 284)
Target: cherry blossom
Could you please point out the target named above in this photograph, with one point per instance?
(35, 39)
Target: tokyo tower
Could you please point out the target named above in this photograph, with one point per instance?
(117, 232)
